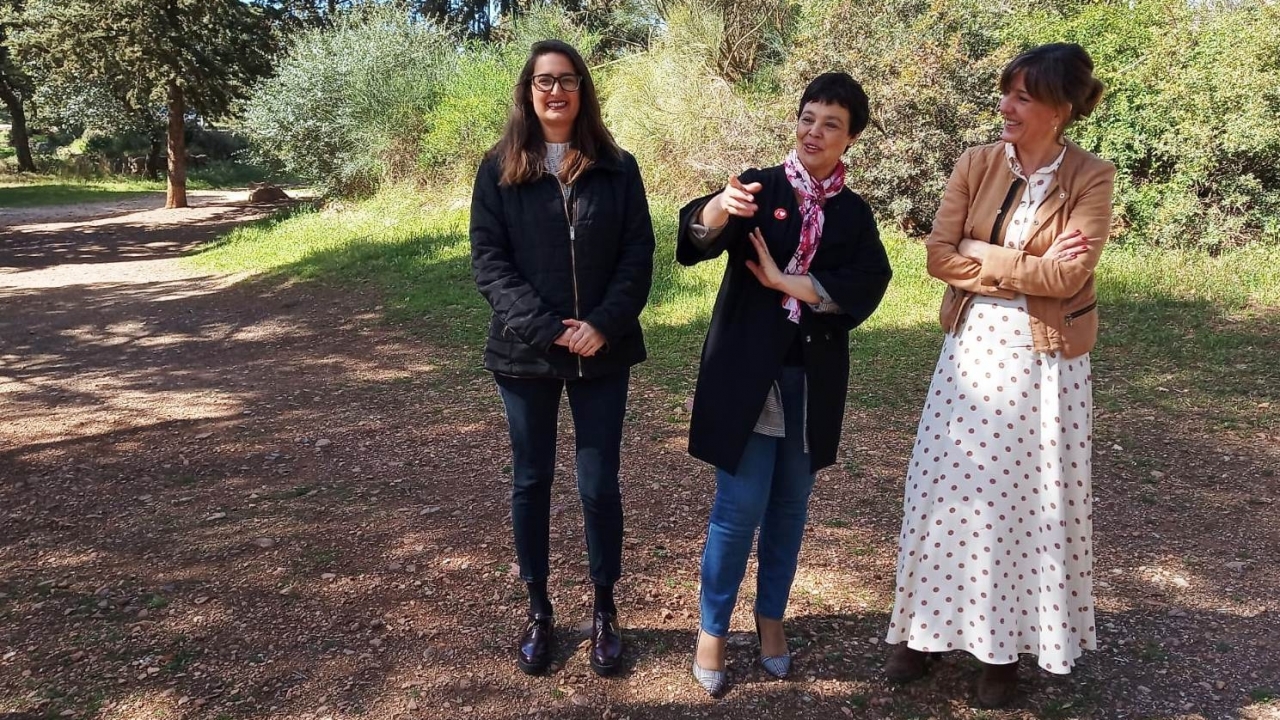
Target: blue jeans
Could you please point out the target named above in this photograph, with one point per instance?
(769, 492)
(598, 406)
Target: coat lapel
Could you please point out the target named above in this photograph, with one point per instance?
(783, 244)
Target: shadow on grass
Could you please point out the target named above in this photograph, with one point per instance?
(23, 196)
(1170, 355)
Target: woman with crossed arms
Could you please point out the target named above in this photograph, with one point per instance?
(996, 553)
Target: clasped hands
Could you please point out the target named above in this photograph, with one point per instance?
(580, 338)
(1067, 246)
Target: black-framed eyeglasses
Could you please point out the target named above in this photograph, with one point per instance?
(547, 83)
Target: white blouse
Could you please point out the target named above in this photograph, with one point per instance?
(1033, 195)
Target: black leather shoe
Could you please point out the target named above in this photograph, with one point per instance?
(533, 653)
(606, 643)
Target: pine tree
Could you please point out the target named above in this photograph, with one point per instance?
(187, 56)
(16, 86)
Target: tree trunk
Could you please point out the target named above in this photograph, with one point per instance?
(18, 137)
(177, 192)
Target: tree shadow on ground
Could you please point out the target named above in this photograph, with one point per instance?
(109, 236)
(173, 514)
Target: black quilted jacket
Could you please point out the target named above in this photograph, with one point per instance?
(539, 259)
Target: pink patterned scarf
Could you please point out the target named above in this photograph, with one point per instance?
(813, 194)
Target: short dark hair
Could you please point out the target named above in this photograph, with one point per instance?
(838, 88)
(1056, 74)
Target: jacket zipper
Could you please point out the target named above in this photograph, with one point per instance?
(570, 209)
(1081, 311)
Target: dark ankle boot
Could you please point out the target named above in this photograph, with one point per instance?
(905, 664)
(997, 685)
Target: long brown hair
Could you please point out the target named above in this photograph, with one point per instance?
(522, 148)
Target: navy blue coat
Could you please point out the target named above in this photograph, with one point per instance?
(750, 334)
(538, 260)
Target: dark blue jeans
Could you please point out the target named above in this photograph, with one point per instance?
(598, 406)
(770, 492)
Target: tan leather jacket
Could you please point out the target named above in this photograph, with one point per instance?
(1061, 298)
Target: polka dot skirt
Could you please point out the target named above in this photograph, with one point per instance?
(996, 552)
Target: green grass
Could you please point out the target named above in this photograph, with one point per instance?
(17, 191)
(1153, 652)
(1181, 330)
(1187, 330)
(1264, 694)
(63, 192)
(321, 557)
(181, 660)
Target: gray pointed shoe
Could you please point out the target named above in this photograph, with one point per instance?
(777, 666)
(713, 681)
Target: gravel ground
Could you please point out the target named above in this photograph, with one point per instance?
(221, 498)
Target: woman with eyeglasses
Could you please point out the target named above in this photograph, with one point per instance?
(562, 249)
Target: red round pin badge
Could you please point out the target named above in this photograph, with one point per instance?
(780, 213)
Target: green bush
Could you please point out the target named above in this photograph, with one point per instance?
(1189, 117)
(471, 112)
(930, 70)
(476, 96)
(219, 145)
(113, 144)
(688, 126)
(348, 103)
(230, 174)
(1193, 93)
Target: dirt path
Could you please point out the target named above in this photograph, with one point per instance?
(221, 498)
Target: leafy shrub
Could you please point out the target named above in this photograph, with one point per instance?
(217, 144)
(930, 70)
(688, 126)
(231, 174)
(1193, 93)
(471, 111)
(476, 96)
(113, 144)
(348, 104)
(1189, 117)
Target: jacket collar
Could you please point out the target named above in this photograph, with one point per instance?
(607, 162)
(1073, 159)
(1071, 163)
(604, 163)
(1063, 183)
